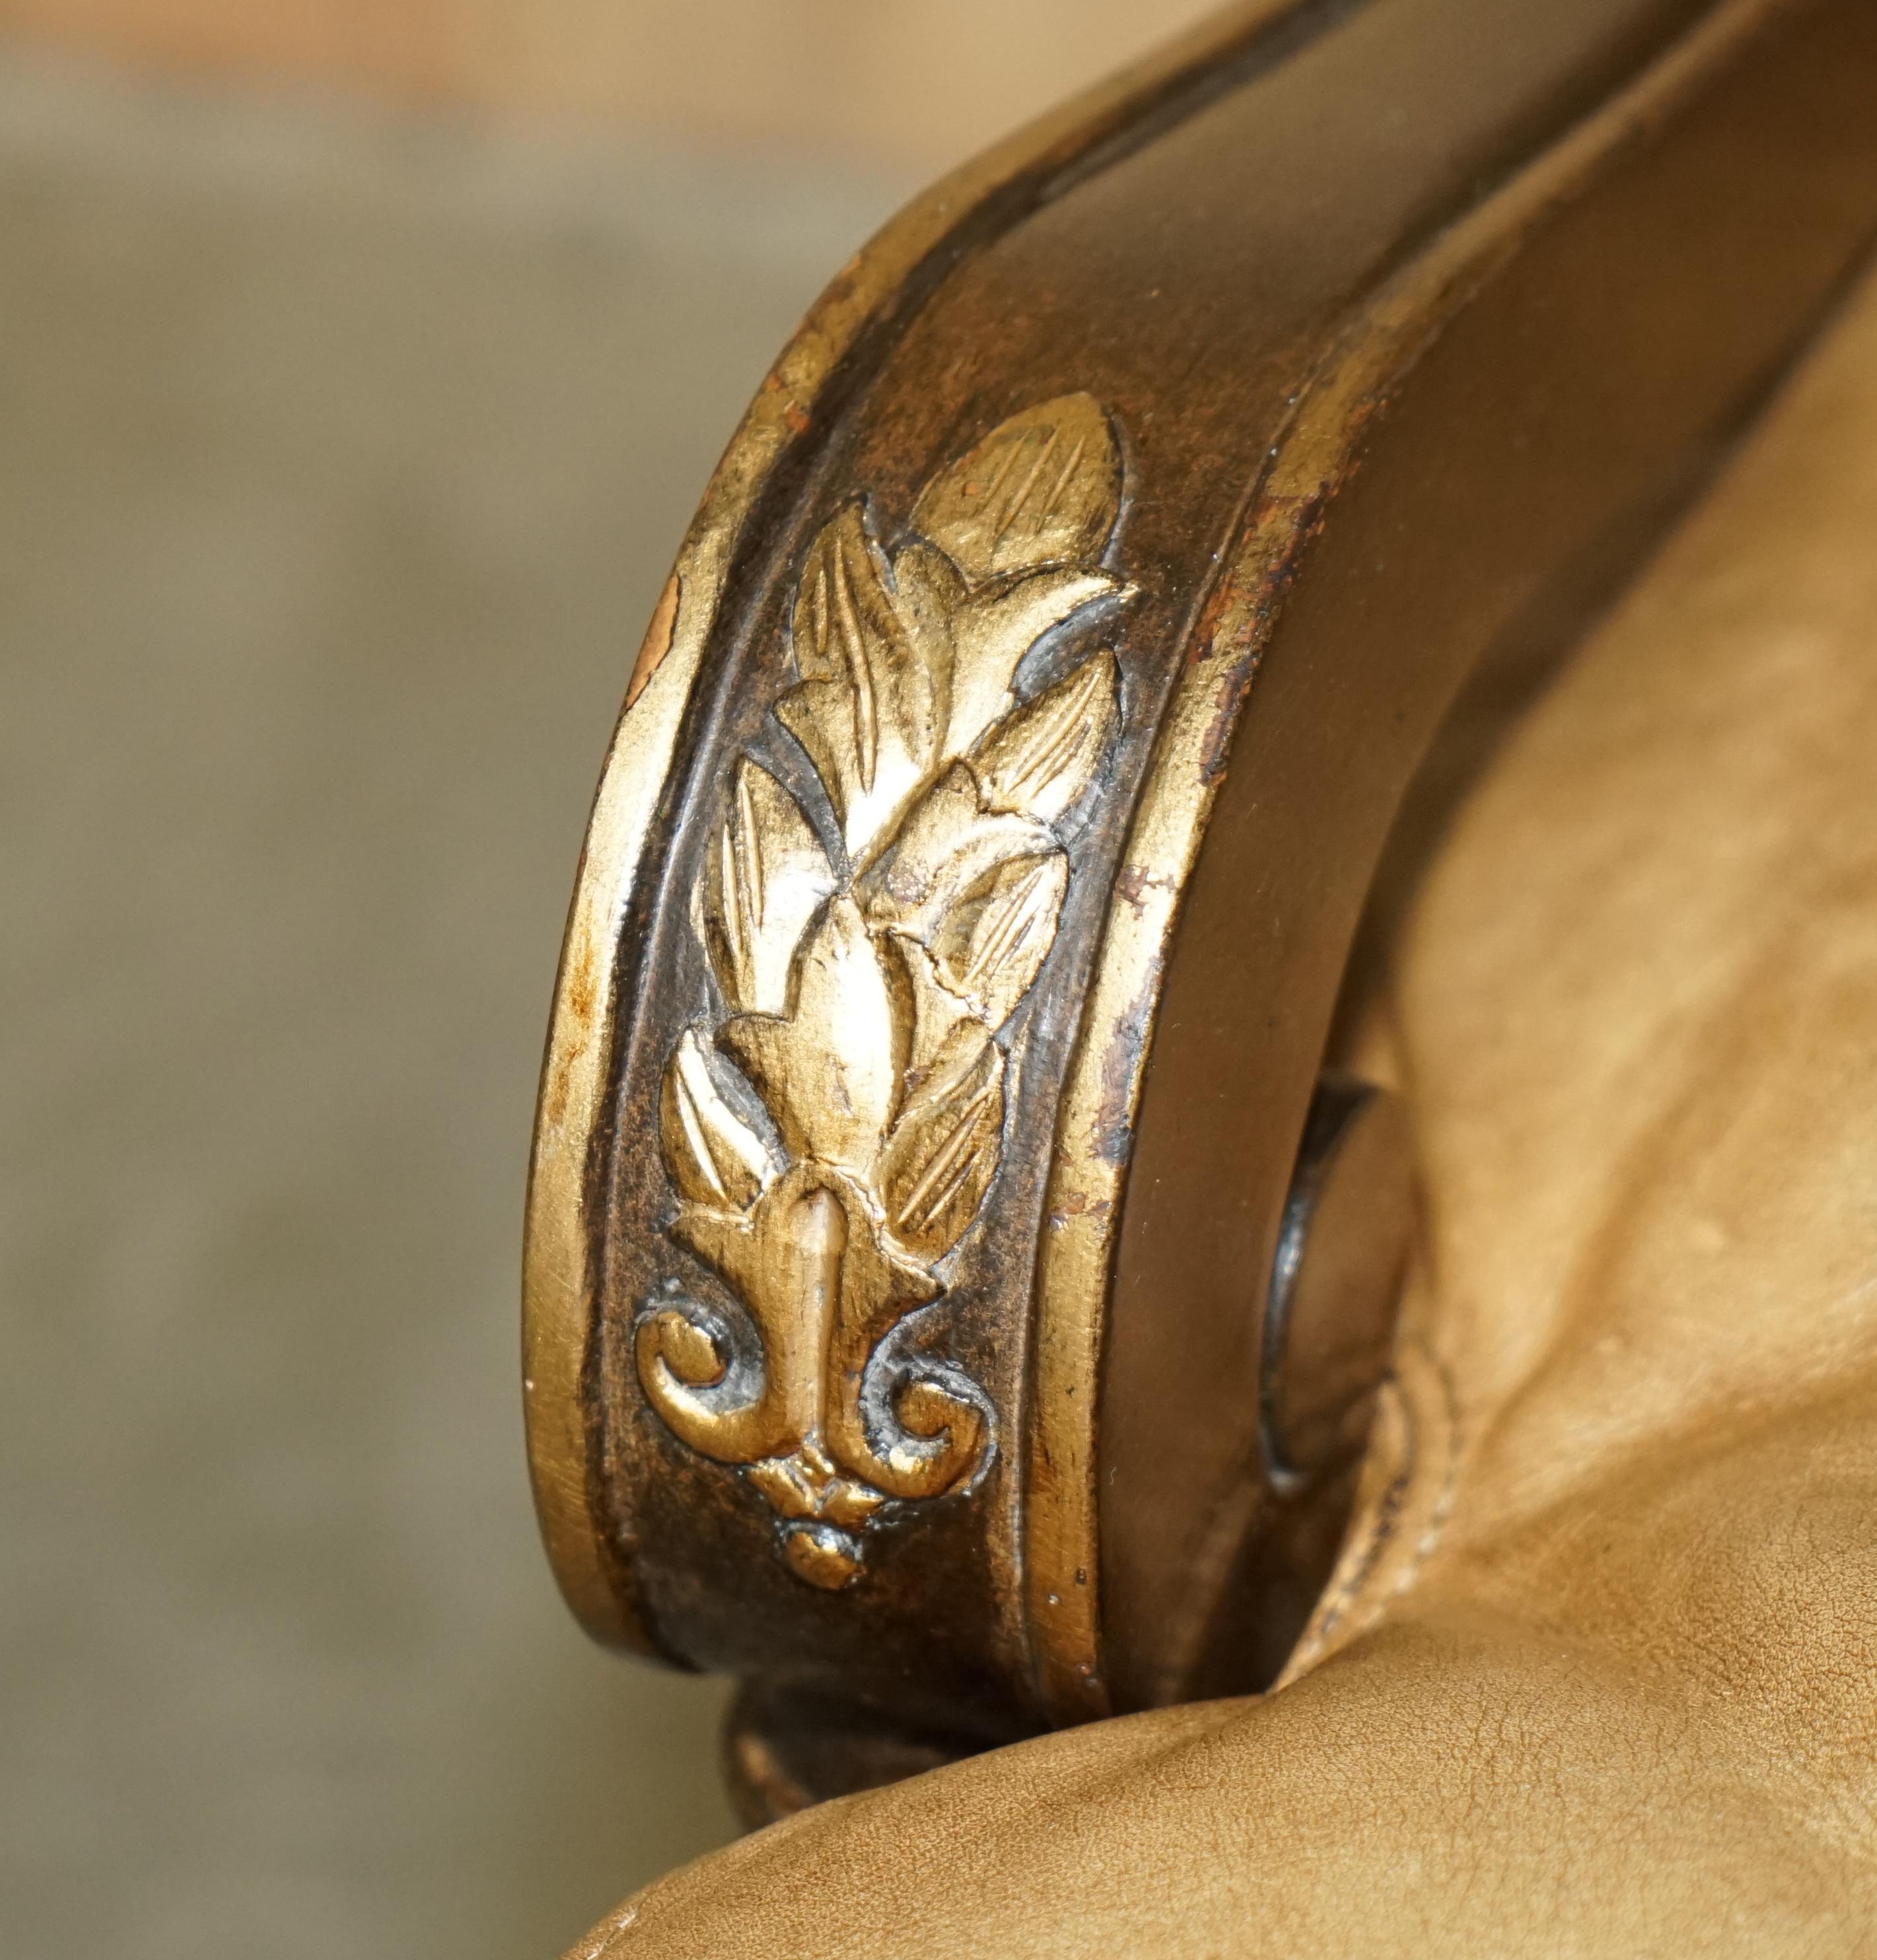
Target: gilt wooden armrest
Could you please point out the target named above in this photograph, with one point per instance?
(954, 1291)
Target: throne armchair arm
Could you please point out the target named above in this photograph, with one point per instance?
(955, 1292)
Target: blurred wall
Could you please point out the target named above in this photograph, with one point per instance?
(345, 453)
(921, 82)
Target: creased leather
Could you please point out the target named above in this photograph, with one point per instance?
(1599, 1672)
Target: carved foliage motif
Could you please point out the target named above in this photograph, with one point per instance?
(831, 1133)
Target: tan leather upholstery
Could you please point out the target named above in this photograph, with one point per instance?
(1599, 1675)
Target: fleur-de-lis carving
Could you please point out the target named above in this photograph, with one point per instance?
(831, 1133)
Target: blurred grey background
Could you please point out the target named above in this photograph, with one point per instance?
(344, 455)
(360, 363)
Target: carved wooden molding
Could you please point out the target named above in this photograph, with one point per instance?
(831, 1131)
(930, 1148)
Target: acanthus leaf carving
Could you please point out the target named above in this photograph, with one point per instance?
(765, 878)
(1039, 762)
(938, 1161)
(868, 709)
(994, 629)
(868, 1004)
(989, 946)
(932, 1008)
(950, 841)
(1043, 488)
(832, 1098)
(715, 1157)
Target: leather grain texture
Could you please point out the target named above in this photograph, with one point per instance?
(1596, 1675)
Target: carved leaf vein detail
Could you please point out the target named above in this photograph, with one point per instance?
(833, 1134)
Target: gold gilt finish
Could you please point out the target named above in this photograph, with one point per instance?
(956, 948)
(832, 1135)
(1063, 1547)
(559, 1278)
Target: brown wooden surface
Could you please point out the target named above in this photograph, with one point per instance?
(1398, 315)
(1596, 1681)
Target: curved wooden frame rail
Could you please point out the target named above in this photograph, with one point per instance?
(929, 1314)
